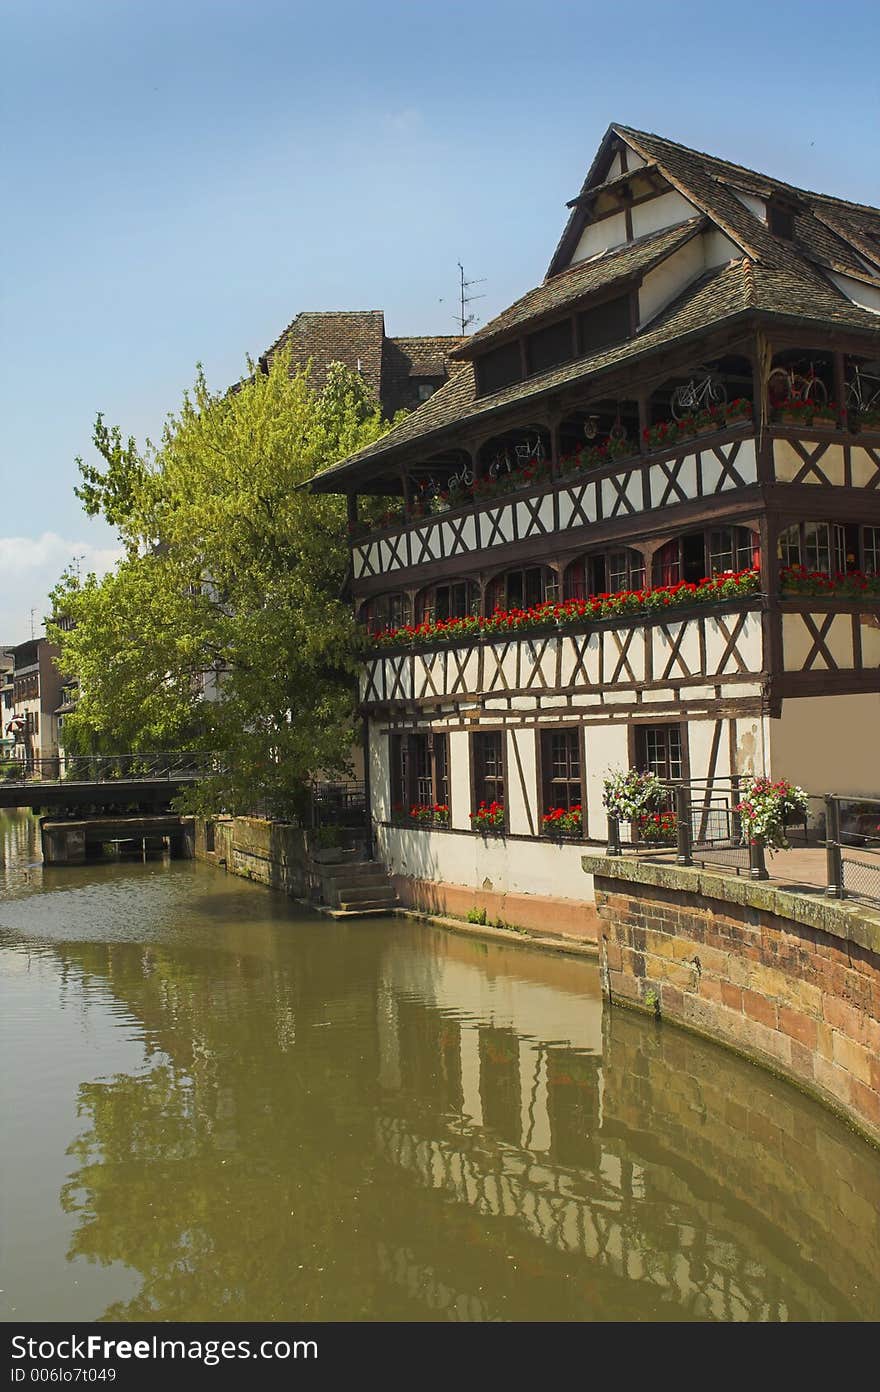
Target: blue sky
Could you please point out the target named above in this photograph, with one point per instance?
(182, 178)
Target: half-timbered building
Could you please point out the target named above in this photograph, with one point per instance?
(638, 527)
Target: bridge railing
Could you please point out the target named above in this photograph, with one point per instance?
(108, 768)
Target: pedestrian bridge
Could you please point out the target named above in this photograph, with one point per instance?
(102, 780)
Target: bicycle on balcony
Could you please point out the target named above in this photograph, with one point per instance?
(785, 384)
(861, 392)
(697, 396)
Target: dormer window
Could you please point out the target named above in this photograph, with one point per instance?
(780, 218)
(499, 368)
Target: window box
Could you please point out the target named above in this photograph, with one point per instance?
(563, 823)
(489, 819)
(430, 815)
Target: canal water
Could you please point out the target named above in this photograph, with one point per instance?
(217, 1105)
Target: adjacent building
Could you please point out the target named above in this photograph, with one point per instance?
(401, 373)
(638, 526)
(31, 717)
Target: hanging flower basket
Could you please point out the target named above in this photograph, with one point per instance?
(765, 808)
(632, 796)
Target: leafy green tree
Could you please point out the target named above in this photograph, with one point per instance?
(231, 569)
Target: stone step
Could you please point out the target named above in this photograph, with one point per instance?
(386, 901)
(360, 894)
(349, 881)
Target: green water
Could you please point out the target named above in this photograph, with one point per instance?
(216, 1105)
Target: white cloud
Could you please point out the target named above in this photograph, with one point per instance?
(30, 567)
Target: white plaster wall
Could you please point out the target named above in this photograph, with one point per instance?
(749, 645)
(615, 167)
(864, 470)
(869, 629)
(700, 736)
(718, 249)
(599, 236)
(380, 773)
(787, 464)
(755, 205)
(661, 285)
(868, 296)
(797, 642)
(522, 782)
(607, 751)
(459, 780)
(492, 863)
(752, 742)
(663, 211)
(829, 744)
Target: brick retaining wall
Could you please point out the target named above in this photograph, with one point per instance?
(793, 981)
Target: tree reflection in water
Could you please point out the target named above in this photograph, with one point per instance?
(322, 1134)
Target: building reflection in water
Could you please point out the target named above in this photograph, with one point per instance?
(387, 1122)
(633, 1147)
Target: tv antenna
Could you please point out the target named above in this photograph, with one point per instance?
(33, 611)
(463, 319)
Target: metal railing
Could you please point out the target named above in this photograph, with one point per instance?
(107, 768)
(341, 804)
(852, 848)
(704, 827)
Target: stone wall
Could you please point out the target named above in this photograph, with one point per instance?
(272, 853)
(792, 981)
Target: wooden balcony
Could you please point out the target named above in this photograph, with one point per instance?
(707, 467)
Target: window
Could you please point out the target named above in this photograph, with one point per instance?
(603, 324)
(732, 548)
(419, 772)
(561, 769)
(499, 367)
(659, 751)
(816, 546)
(605, 574)
(425, 390)
(385, 611)
(780, 219)
(697, 555)
(871, 549)
(547, 347)
(488, 763)
(519, 589)
(453, 601)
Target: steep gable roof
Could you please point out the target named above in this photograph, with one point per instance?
(828, 231)
(773, 276)
(584, 278)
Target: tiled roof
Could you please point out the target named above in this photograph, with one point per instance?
(353, 337)
(357, 339)
(407, 360)
(715, 296)
(584, 278)
(709, 182)
(775, 276)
